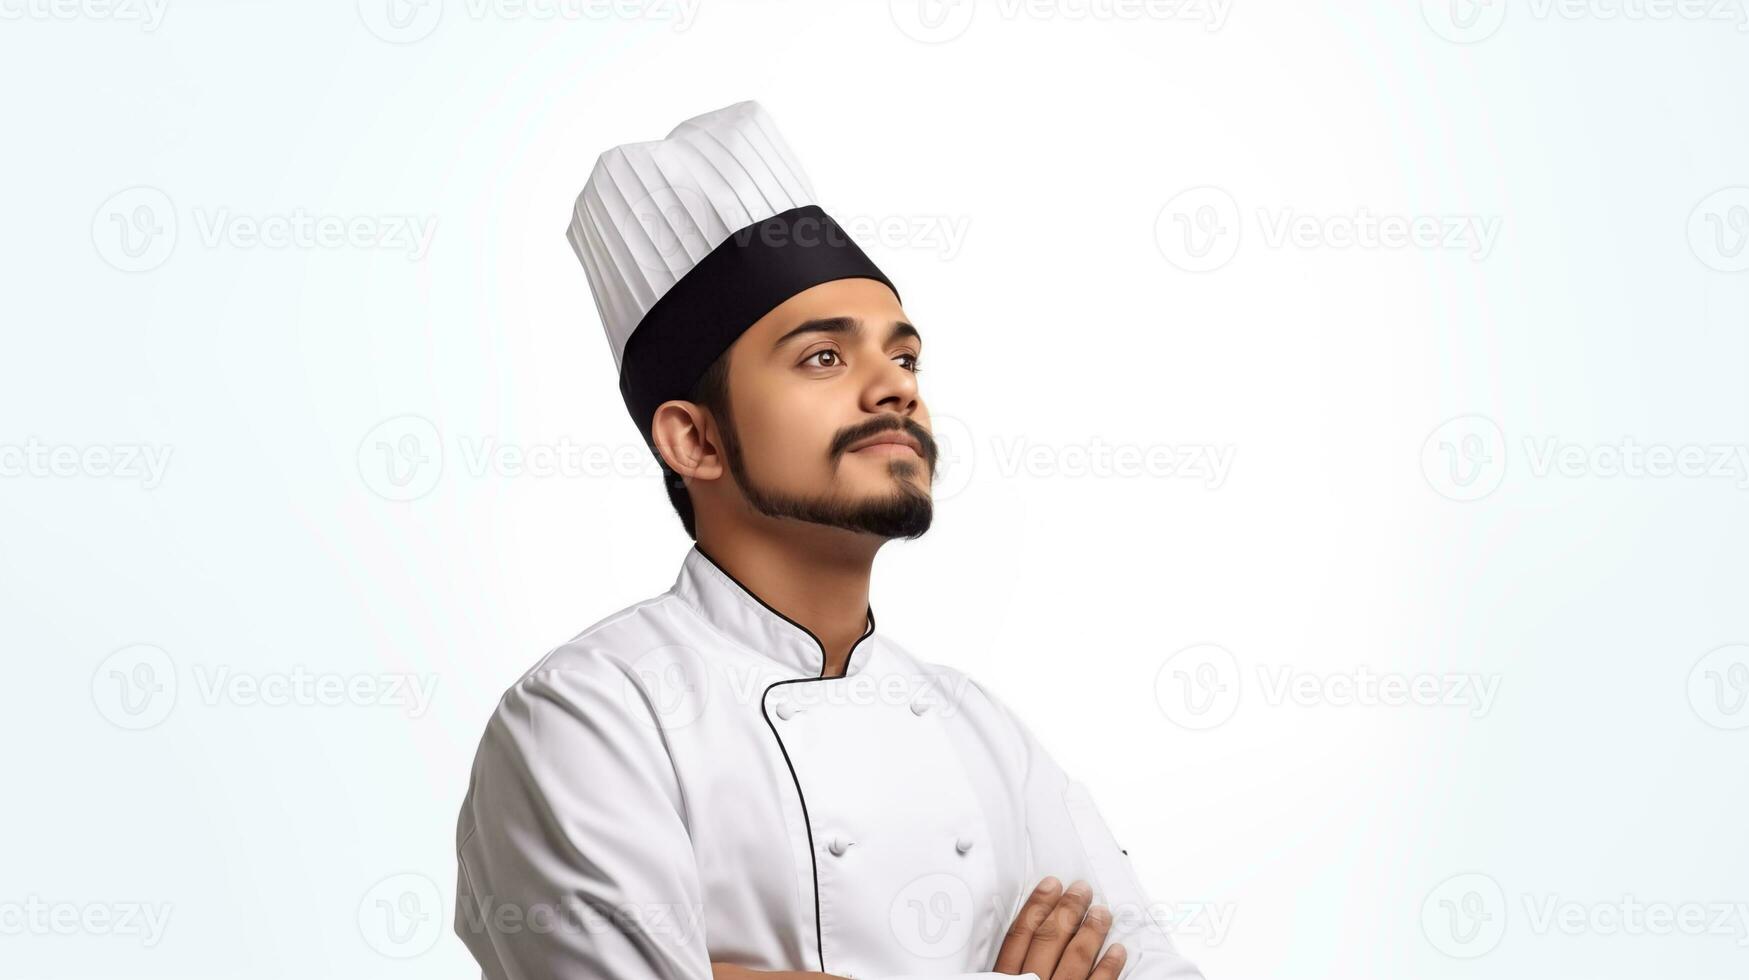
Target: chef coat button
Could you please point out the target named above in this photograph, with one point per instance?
(838, 846)
(963, 845)
(785, 710)
(918, 707)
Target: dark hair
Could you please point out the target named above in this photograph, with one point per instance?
(711, 392)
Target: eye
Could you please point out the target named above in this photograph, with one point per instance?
(913, 367)
(824, 352)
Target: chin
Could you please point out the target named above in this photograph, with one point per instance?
(883, 483)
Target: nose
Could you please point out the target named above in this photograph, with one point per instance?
(892, 389)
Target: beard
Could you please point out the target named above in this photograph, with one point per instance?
(906, 512)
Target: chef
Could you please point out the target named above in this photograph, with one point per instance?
(742, 776)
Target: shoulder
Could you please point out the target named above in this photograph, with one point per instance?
(620, 639)
(600, 666)
(576, 730)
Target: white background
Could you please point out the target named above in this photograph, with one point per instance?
(1118, 224)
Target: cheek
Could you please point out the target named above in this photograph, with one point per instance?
(785, 441)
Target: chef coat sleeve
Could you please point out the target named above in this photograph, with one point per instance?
(574, 859)
(1067, 837)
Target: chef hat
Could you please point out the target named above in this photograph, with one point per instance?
(690, 239)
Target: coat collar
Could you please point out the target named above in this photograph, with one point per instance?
(749, 620)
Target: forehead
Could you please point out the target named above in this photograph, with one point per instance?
(866, 300)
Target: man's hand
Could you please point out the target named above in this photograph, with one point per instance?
(1056, 936)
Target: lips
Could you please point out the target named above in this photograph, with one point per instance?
(889, 439)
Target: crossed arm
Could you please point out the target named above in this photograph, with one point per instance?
(1056, 936)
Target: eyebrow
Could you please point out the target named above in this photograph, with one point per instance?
(845, 325)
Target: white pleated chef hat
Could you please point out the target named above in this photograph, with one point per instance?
(688, 240)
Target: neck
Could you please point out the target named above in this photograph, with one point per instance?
(818, 580)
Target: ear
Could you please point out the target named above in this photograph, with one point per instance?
(685, 435)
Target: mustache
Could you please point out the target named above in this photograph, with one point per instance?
(886, 423)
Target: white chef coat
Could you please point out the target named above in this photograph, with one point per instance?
(677, 785)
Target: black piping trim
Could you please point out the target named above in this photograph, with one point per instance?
(807, 822)
(779, 613)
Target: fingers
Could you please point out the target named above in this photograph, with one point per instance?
(1077, 960)
(1026, 922)
(1111, 964)
(1052, 936)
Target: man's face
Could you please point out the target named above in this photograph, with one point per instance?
(811, 386)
